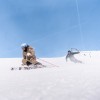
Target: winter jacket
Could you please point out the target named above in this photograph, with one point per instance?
(70, 54)
(29, 50)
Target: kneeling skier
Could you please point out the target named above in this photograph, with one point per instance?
(28, 55)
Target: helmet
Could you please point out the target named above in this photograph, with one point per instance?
(24, 45)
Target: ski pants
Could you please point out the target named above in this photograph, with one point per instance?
(31, 60)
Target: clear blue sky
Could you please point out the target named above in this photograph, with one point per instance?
(50, 26)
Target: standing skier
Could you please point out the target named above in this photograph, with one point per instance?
(28, 55)
(71, 54)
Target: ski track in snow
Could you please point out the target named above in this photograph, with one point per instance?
(69, 81)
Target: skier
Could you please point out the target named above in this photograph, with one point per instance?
(28, 55)
(71, 54)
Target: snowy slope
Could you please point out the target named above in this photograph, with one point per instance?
(68, 81)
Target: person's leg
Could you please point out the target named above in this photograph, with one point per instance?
(28, 63)
(24, 61)
(33, 61)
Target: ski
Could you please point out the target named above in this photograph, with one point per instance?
(25, 67)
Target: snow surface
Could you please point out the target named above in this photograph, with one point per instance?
(65, 81)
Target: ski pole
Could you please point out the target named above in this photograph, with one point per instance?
(48, 62)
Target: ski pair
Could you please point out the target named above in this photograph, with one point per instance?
(25, 67)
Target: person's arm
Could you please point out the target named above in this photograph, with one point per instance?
(67, 57)
(75, 52)
(24, 55)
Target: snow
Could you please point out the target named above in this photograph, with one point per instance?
(65, 81)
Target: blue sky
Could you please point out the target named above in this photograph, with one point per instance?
(50, 26)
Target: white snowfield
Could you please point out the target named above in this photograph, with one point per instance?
(65, 81)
